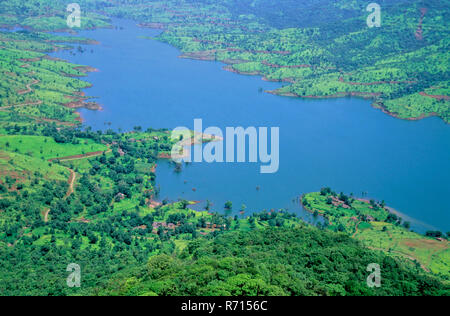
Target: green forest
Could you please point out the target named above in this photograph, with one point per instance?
(69, 194)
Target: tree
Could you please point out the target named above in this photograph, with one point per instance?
(92, 238)
(184, 204)
(228, 205)
(433, 233)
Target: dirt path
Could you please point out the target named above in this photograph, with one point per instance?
(28, 87)
(73, 174)
(72, 179)
(81, 156)
(46, 215)
(22, 92)
(39, 102)
(264, 62)
(419, 31)
(341, 79)
(437, 97)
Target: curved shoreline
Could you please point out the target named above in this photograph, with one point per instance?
(365, 95)
(206, 56)
(388, 209)
(209, 55)
(318, 97)
(311, 211)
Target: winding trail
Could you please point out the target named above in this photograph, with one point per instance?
(70, 190)
(72, 179)
(73, 175)
(22, 92)
(46, 215)
(28, 87)
(356, 229)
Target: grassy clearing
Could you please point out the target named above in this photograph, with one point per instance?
(46, 147)
(434, 255)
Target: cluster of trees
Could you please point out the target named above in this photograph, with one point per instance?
(435, 233)
(254, 256)
(272, 261)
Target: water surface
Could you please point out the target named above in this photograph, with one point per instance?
(341, 143)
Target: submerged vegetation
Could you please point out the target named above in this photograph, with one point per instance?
(72, 195)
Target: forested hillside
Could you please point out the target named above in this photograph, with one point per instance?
(270, 261)
(321, 49)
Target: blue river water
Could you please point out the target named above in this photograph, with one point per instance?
(342, 143)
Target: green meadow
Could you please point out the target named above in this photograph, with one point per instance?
(46, 147)
(378, 228)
